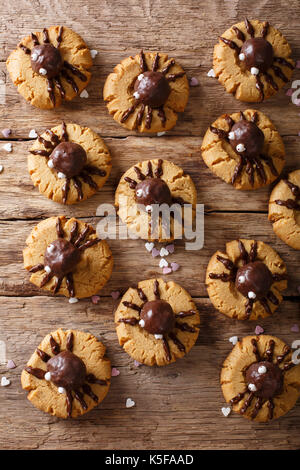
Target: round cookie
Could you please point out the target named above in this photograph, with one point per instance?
(258, 378)
(65, 256)
(50, 66)
(252, 60)
(145, 186)
(284, 209)
(68, 374)
(157, 322)
(146, 92)
(246, 281)
(244, 149)
(69, 163)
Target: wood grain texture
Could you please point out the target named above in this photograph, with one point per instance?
(178, 406)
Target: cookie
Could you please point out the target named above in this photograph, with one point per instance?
(146, 186)
(253, 60)
(146, 92)
(157, 322)
(65, 256)
(68, 374)
(51, 66)
(244, 149)
(69, 163)
(246, 281)
(284, 210)
(259, 379)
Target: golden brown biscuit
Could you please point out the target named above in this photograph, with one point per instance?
(157, 322)
(50, 66)
(284, 209)
(65, 256)
(146, 92)
(252, 60)
(246, 281)
(244, 149)
(68, 374)
(258, 378)
(151, 183)
(69, 163)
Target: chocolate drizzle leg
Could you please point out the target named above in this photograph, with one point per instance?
(292, 204)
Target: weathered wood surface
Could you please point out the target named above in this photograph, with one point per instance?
(178, 406)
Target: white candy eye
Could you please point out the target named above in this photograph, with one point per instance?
(252, 388)
(148, 208)
(47, 376)
(61, 175)
(50, 250)
(254, 71)
(242, 279)
(139, 192)
(61, 390)
(242, 56)
(231, 135)
(136, 95)
(34, 56)
(262, 370)
(42, 71)
(47, 269)
(251, 295)
(142, 323)
(240, 148)
(158, 336)
(50, 163)
(140, 77)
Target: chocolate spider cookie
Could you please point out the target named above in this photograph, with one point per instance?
(146, 92)
(253, 60)
(284, 209)
(68, 374)
(50, 66)
(157, 322)
(146, 186)
(258, 378)
(65, 256)
(69, 163)
(244, 149)
(246, 281)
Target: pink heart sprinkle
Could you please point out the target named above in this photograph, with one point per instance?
(137, 363)
(115, 294)
(170, 248)
(95, 299)
(289, 92)
(6, 132)
(11, 364)
(155, 252)
(298, 64)
(167, 270)
(175, 266)
(194, 81)
(115, 372)
(259, 330)
(295, 328)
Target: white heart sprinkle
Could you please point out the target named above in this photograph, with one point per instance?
(158, 336)
(242, 56)
(142, 323)
(254, 71)
(73, 300)
(163, 263)
(129, 403)
(61, 390)
(211, 73)
(149, 246)
(231, 135)
(43, 71)
(93, 53)
(233, 340)
(50, 163)
(84, 94)
(163, 252)
(1, 168)
(240, 148)
(7, 147)
(226, 410)
(159, 134)
(4, 381)
(251, 295)
(32, 134)
(47, 269)
(61, 175)
(47, 376)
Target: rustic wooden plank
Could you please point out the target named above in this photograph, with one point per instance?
(133, 262)
(19, 199)
(152, 26)
(177, 407)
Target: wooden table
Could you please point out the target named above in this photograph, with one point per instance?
(178, 406)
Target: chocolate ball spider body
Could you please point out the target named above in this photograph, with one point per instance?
(246, 138)
(152, 88)
(258, 53)
(61, 257)
(153, 191)
(254, 280)
(265, 379)
(157, 317)
(68, 158)
(46, 60)
(67, 370)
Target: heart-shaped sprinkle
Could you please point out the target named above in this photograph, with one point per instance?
(155, 252)
(175, 266)
(211, 73)
(226, 410)
(137, 364)
(11, 364)
(194, 81)
(289, 92)
(233, 340)
(73, 300)
(149, 246)
(95, 299)
(32, 134)
(93, 53)
(4, 382)
(163, 252)
(6, 133)
(167, 270)
(159, 134)
(115, 294)
(7, 147)
(170, 248)
(84, 94)
(115, 372)
(129, 403)
(295, 328)
(259, 330)
(163, 263)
